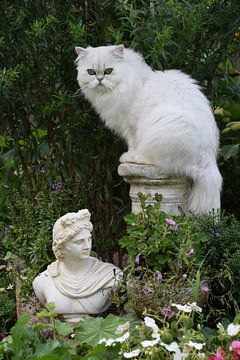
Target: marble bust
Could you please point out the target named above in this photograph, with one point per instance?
(77, 283)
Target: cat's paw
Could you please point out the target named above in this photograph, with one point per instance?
(130, 157)
(126, 157)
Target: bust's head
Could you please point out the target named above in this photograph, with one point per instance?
(67, 229)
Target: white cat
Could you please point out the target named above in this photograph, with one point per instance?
(163, 116)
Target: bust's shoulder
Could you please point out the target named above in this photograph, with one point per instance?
(41, 278)
(40, 283)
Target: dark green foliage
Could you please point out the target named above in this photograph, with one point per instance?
(55, 136)
(221, 248)
(229, 159)
(7, 296)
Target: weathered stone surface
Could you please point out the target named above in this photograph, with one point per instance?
(149, 180)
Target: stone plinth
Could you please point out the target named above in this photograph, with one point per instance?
(149, 180)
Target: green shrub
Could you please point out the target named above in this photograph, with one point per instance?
(221, 248)
(7, 296)
(201, 253)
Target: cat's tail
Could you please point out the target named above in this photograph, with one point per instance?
(206, 190)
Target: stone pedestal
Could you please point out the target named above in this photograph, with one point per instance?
(148, 180)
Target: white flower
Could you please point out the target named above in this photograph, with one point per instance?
(107, 342)
(187, 308)
(220, 327)
(110, 342)
(173, 347)
(10, 287)
(155, 335)
(123, 338)
(197, 346)
(233, 330)
(150, 343)
(178, 355)
(131, 354)
(149, 322)
(121, 329)
(102, 341)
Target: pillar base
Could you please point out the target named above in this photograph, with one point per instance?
(149, 180)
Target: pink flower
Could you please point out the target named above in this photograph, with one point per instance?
(137, 259)
(204, 289)
(167, 313)
(218, 356)
(159, 276)
(2, 336)
(235, 345)
(190, 253)
(57, 185)
(172, 223)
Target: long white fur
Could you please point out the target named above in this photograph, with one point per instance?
(162, 115)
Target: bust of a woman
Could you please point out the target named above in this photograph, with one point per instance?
(77, 283)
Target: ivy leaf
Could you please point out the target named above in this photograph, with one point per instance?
(91, 330)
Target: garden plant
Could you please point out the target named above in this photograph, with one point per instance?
(56, 156)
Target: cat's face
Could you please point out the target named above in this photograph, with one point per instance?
(98, 68)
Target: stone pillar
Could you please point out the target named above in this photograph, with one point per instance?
(148, 180)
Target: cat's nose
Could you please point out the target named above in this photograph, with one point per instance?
(100, 78)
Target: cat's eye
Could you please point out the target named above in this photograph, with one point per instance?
(108, 71)
(91, 72)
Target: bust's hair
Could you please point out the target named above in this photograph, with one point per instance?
(68, 226)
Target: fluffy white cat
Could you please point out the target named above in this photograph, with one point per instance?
(162, 115)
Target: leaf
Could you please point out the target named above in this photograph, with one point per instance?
(8, 255)
(232, 126)
(63, 329)
(228, 151)
(49, 313)
(22, 142)
(91, 330)
(39, 133)
(2, 141)
(100, 352)
(47, 348)
(22, 334)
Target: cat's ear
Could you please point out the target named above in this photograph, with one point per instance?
(118, 51)
(80, 51)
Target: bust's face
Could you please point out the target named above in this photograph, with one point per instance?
(80, 245)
